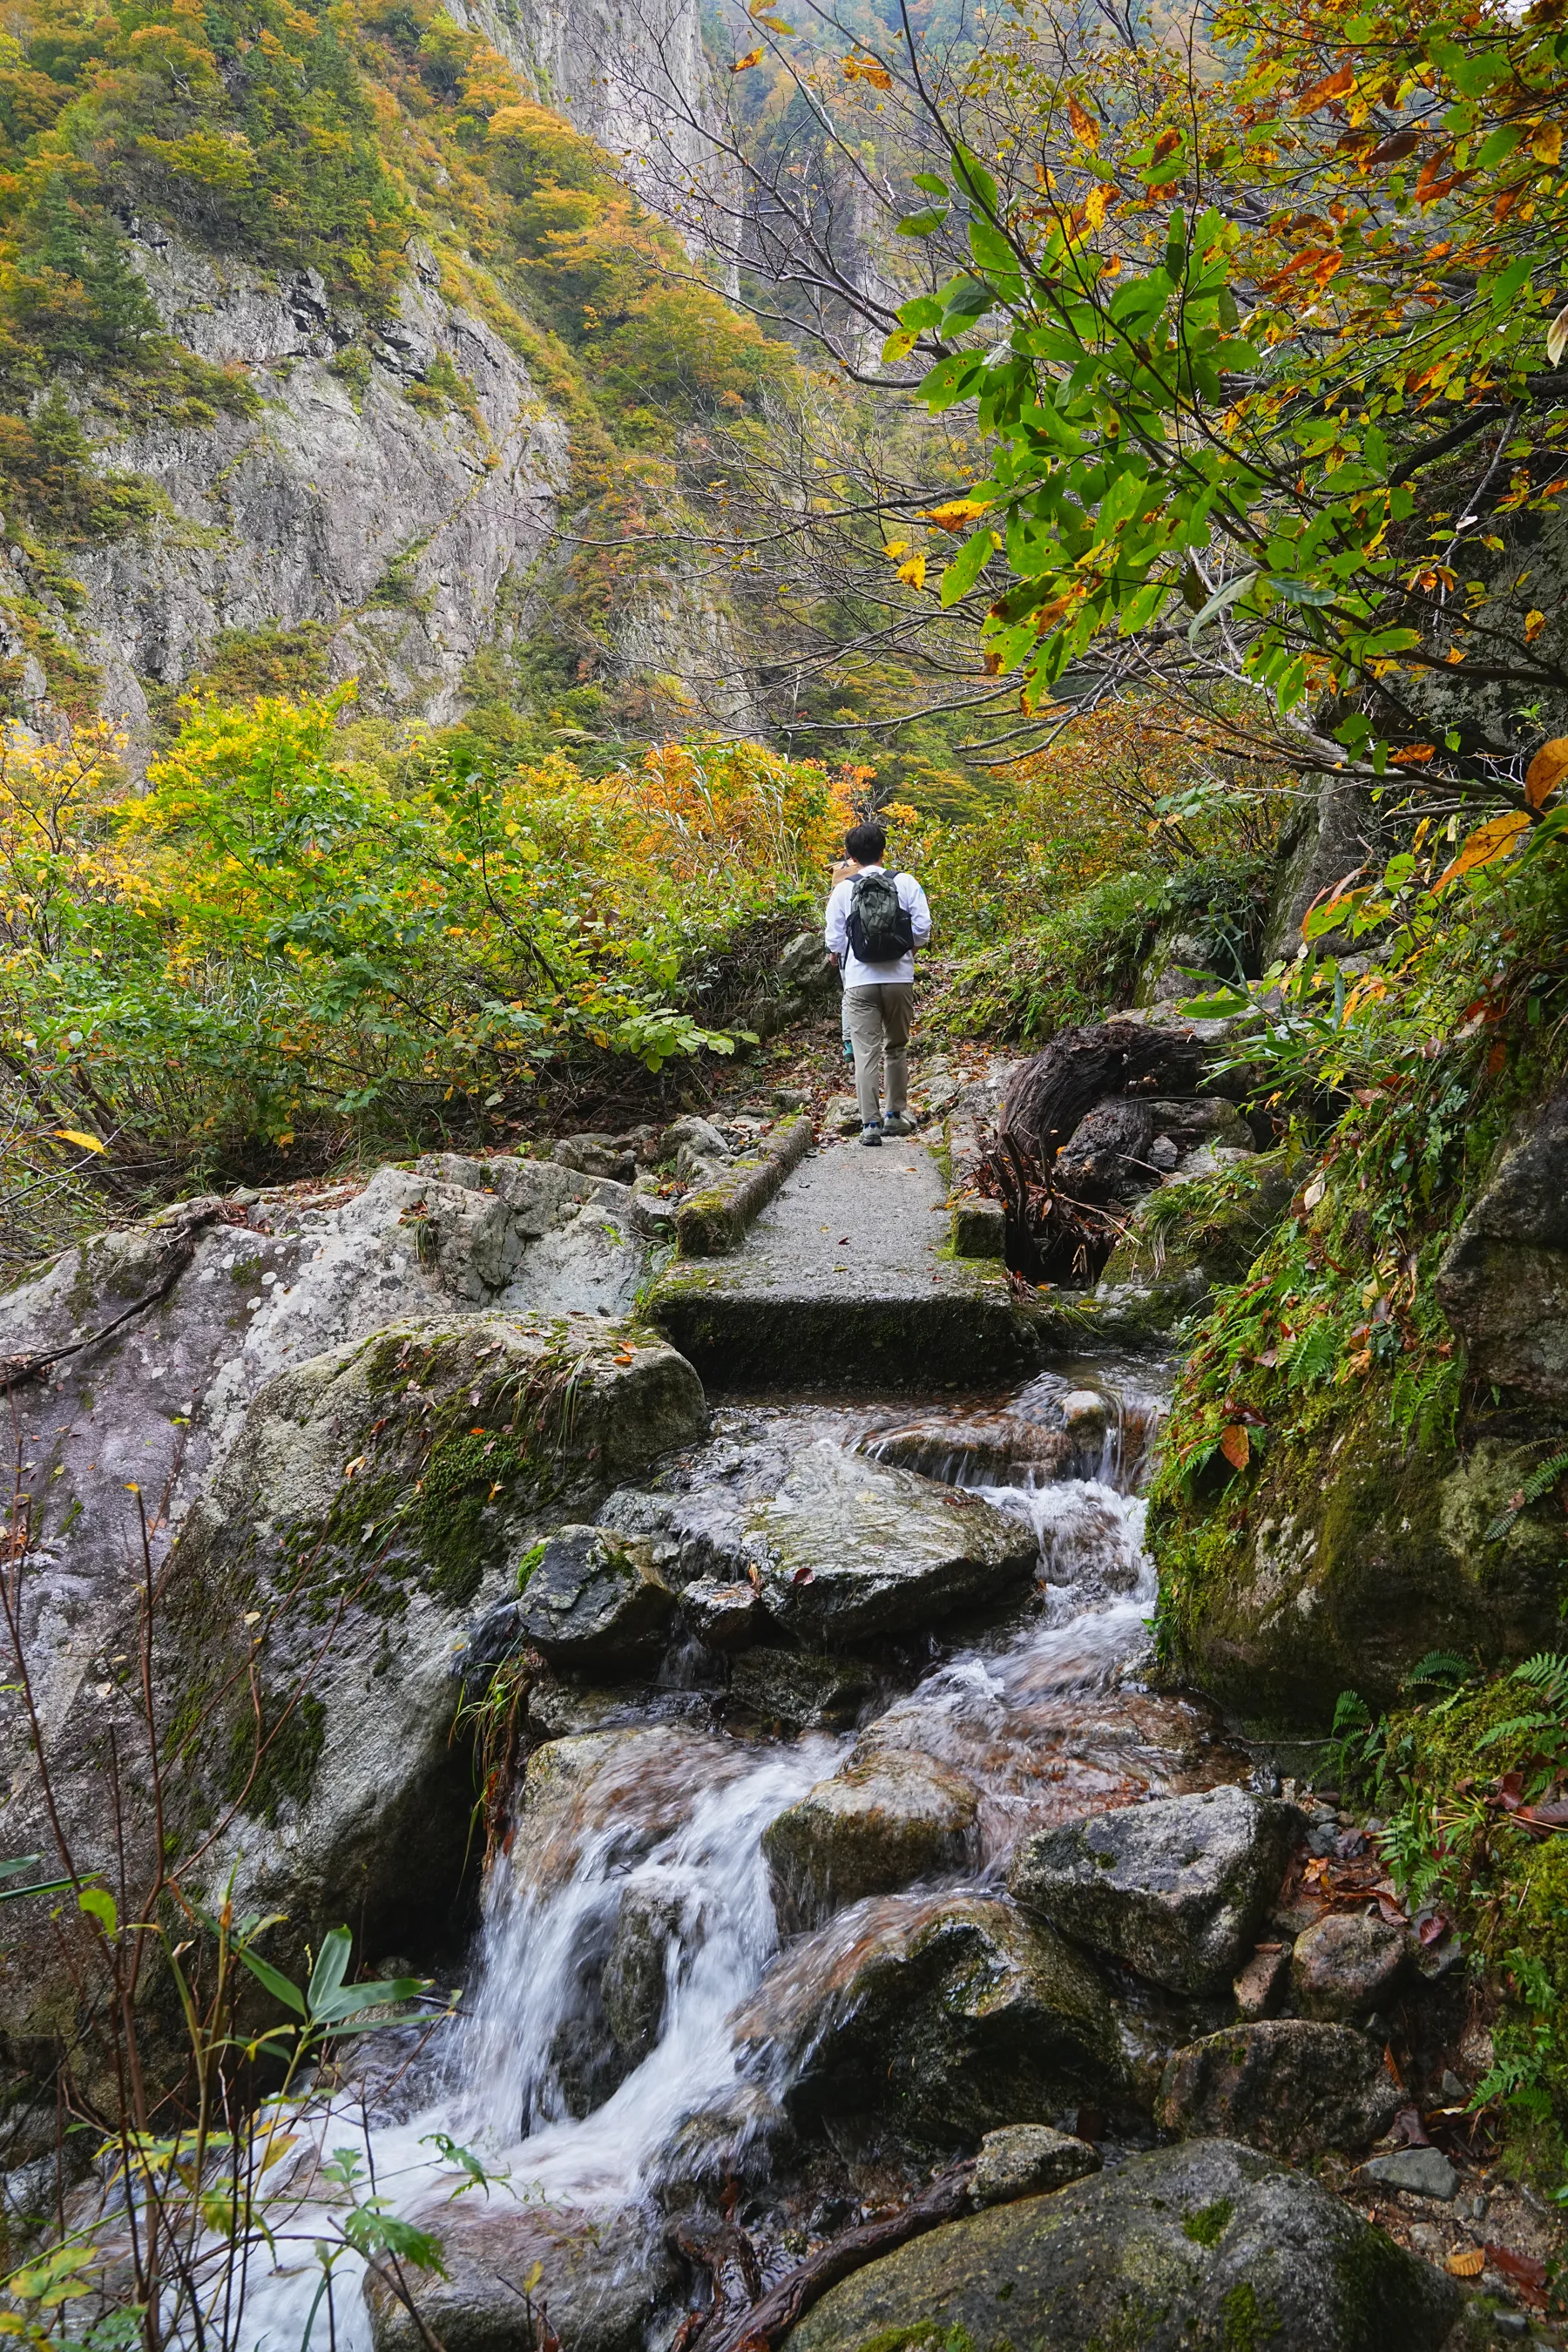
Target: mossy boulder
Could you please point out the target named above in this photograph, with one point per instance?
(946, 2015)
(1342, 1554)
(595, 1598)
(1187, 1238)
(604, 2278)
(886, 1820)
(1290, 2086)
(1205, 2246)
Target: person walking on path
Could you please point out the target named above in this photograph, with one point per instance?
(876, 920)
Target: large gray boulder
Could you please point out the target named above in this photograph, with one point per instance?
(1176, 1889)
(1288, 2086)
(1504, 1283)
(1208, 2246)
(885, 1819)
(948, 2015)
(312, 1611)
(603, 2280)
(1346, 1964)
(850, 1549)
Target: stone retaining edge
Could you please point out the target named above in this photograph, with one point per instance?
(712, 1222)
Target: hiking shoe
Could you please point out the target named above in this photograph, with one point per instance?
(898, 1125)
(872, 1134)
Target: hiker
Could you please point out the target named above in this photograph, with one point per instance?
(841, 869)
(876, 920)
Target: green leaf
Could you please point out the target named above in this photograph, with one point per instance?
(98, 1905)
(924, 224)
(331, 1967)
(899, 345)
(929, 184)
(974, 178)
(276, 1982)
(1218, 603)
(967, 565)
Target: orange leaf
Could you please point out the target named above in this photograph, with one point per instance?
(1098, 202)
(1083, 124)
(1487, 842)
(1166, 144)
(1534, 621)
(1236, 1445)
(1546, 770)
(742, 65)
(1470, 2264)
(1338, 84)
(1412, 755)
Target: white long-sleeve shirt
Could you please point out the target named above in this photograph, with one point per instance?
(912, 897)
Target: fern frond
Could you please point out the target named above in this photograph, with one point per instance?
(1438, 1666)
(1539, 1483)
(1520, 1722)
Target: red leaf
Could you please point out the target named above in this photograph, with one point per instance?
(1527, 2271)
(802, 1576)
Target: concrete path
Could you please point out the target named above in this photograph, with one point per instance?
(847, 1276)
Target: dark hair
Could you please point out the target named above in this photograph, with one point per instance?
(865, 844)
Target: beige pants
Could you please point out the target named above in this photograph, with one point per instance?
(879, 1022)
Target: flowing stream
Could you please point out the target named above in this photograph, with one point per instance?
(1047, 1716)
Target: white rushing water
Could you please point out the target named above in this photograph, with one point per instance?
(692, 1857)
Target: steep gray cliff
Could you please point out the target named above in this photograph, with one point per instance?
(394, 486)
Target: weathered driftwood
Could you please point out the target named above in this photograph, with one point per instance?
(1055, 1091)
(764, 2326)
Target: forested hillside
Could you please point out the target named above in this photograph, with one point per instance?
(490, 495)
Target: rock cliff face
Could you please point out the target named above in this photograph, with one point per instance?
(628, 73)
(362, 497)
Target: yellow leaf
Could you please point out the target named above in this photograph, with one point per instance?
(1534, 623)
(83, 1141)
(1546, 770)
(913, 573)
(1467, 2263)
(1557, 336)
(1083, 124)
(868, 69)
(1098, 202)
(1547, 144)
(899, 343)
(955, 516)
(1487, 842)
(895, 548)
(1236, 1445)
(752, 58)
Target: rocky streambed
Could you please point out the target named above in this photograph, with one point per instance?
(865, 1858)
(868, 1943)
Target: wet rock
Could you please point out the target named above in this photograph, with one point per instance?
(852, 1548)
(1290, 2087)
(595, 1598)
(1206, 2244)
(995, 1449)
(1504, 1283)
(1027, 2160)
(1346, 1964)
(1177, 1888)
(1108, 1154)
(636, 1980)
(883, 1821)
(799, 1690)
(604, 2280)
(1261, 1987)
(947, 2014)
(1417, 2171)
(624, 1788)
(725, 1615)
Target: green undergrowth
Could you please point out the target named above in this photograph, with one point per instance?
(1446, 1768)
